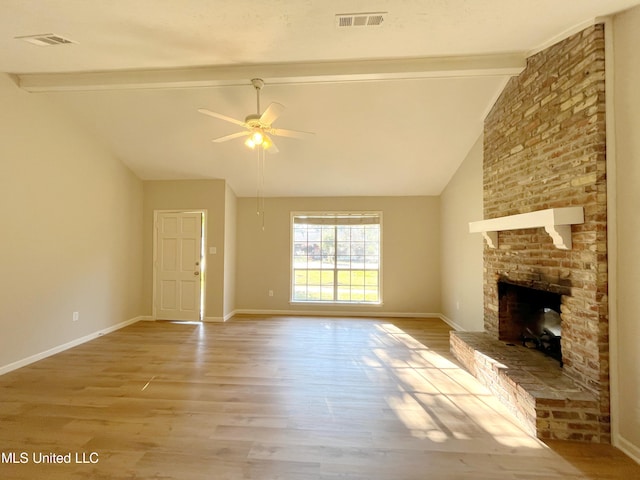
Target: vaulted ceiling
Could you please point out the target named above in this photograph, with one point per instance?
(394, 107)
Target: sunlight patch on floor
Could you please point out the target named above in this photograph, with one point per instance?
(437, 400)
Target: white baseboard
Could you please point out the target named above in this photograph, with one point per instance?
(325, 313)
(228, 316)
(61, 348)
(631, 450)
(205, 319)
(451, 323)
(220, 319)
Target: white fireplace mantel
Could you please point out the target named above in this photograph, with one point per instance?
(556, 221)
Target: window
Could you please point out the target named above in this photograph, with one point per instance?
(336, 258)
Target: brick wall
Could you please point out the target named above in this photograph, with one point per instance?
(545, 147)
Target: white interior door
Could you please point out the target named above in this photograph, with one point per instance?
(178, 265)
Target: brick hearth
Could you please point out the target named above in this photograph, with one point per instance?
(548, 403)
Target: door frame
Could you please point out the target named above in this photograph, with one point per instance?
(203, 261)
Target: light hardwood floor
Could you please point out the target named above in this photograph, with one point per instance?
(274, 398)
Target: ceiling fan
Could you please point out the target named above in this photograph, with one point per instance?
(258, 126)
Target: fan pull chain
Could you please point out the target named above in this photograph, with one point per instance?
(259, 187)
(260, 195)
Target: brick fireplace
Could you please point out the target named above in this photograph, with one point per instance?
(544, 148)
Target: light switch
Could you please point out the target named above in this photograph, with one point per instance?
(213, 250)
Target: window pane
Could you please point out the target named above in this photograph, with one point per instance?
(314, 250)
(328, 248)
(314, 258)
(327, 293)
(344, 277)
(300, 293)
(300, 262)
(328, 234)
(357, 233)
(300, 277)
(344, 261)
(372, 233)
(371, 294)
(344, 294)
(372, 249)
(313, 277)
(357, 294)
(357, 277)
(371, 263)
(314, 234)
(371, 278)
(313, 293)
(344, 248)
(299, 234)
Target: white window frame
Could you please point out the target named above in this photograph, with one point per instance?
(329, 215)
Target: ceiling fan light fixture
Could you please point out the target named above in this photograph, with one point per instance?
(257, 137)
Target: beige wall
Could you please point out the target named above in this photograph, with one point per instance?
(71, 229)
(461, 203)
(411, 252)
(627, 144)
(230, 239)
(206, 195)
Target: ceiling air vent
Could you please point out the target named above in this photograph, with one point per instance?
(369, 19)
(46, 39)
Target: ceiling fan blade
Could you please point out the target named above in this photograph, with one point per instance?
(231, 137)
(283, 132)
(272, 112)
(221, 117)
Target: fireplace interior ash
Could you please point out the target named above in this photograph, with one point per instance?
(531, 316)
(544, 333)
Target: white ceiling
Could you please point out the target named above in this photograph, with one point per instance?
(394, 108)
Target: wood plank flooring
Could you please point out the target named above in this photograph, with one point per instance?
(273, 398)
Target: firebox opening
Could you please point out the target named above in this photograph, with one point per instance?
(530, 317)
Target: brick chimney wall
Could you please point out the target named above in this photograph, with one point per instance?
(545, 147)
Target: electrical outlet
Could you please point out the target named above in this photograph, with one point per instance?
(76, 316)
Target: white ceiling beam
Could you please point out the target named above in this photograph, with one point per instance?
(285, 73)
